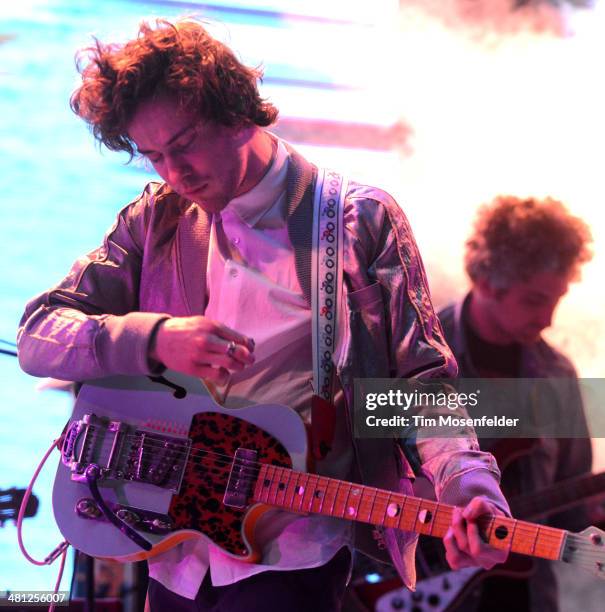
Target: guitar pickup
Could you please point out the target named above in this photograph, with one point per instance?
(241, 482)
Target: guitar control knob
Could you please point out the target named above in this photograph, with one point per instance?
(417, 596)
(397, 603)
(88, 508)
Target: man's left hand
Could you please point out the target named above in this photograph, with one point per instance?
(464, 546)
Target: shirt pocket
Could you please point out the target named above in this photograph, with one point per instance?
(368, 332)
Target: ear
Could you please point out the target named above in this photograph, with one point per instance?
(487, 290)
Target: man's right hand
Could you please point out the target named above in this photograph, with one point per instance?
(198, 346)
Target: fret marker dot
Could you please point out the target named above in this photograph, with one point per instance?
(300, 490)
(501, 532)
(425, 516)
(393, 509)
(351, 511)
(266, 482)
(281, 486)
(318, 494)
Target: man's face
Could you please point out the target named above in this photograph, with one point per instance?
(202, 161)
(521, 312)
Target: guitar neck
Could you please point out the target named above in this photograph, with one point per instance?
(561, 496)
(308, 493)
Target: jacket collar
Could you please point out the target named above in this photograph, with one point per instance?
(193, 235)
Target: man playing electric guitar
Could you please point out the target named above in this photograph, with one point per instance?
(521, 258)
(208, 273)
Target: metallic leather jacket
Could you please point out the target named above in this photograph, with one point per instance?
(152, 264)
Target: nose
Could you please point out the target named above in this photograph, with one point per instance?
(546, 316)
(176, 171)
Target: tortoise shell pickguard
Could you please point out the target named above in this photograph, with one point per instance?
(215, 437)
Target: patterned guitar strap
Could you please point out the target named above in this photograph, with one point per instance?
(326, 290)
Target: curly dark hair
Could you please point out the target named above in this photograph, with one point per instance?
(515, 238)
(178, 58)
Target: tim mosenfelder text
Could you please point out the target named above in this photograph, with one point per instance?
(405, 400)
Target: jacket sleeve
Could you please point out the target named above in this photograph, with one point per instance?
(88, 326)
(455, 465)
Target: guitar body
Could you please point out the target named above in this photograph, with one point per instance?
(447, 591)
(191, 500)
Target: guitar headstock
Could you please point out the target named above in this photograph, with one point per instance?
(10, 502)
(586, 550)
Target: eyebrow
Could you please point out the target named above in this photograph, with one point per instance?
(171, 139)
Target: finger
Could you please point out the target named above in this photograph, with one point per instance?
(222, 331)
(210, 349)
(456, 558)
(222, 360)
(477, 507)
(458, 528)
(241, 353)
(476, 545)
(217, 375)
(484, 554)
(460, 560)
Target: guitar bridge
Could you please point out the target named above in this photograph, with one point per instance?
(124, 452)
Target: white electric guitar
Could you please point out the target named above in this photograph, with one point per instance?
(148, 463)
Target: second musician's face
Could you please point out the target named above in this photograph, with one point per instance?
(526, 309)
(202, 161)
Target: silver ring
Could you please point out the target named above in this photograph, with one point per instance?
(231, 349)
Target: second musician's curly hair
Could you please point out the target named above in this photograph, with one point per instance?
(515, 238)
(180, 59)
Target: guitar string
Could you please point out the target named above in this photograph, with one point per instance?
(151, 442)
(252, 476)
(248, 468)
(379, 503)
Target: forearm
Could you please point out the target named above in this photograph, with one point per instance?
(68, 344)
(89, 324)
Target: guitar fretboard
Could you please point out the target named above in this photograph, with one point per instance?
(308, 493)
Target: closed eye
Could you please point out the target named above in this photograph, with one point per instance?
(185, 145)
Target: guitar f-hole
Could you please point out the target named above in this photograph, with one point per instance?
(179, 392)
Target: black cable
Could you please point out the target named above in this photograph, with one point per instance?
(89, 567)
(73, 575)
(7, 351)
